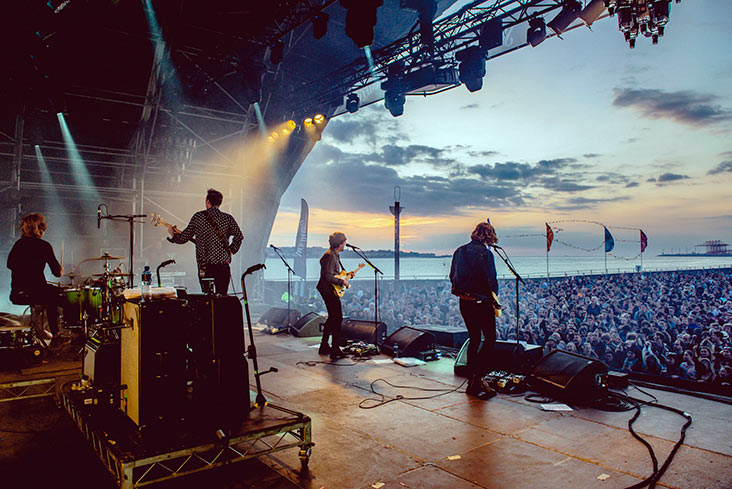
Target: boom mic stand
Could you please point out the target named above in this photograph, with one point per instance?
(130, 218)
(504, 256)
(260, 401)
(360, 253)
(290, 271)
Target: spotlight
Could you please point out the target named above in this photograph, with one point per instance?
(285, 131)
(274, 135)
(360, 20)
(308, 122)
(592, 12)
(536, 33)
(394, 102)
(251, 80)
(271, 139)
(491, 34)
(291, 125)
(352, 103)
(472, 67)
(276, 52)
(569, 13)
(319, 118)
(320, 24)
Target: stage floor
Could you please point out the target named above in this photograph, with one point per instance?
(450, 441)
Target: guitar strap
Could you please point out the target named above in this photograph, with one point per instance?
(218, 232)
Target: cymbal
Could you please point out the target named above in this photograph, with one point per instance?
(106, 257)
(111, 274)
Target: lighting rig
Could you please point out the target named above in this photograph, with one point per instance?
(647, 17)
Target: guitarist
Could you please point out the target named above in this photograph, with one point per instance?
(473, 277)
(330, 266)
(211, 229)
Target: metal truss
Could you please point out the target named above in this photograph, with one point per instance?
(130, 472)
(27, 389)
(450, 34)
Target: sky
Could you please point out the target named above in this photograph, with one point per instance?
(574, 132)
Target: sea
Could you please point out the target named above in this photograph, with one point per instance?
(526, 266)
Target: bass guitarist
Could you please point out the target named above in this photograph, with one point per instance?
(473, 277)
(330, 268)
(211, 229)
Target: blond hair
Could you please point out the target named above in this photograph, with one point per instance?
(33, 225)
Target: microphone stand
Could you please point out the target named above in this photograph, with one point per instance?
(360, 253)
(504, 256)
(163, 264)
(290, 271)
(260, 400)
(130, 218)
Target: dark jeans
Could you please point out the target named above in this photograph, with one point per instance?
(220, 272)
(47, 295)
(332, 327)
(479, 320)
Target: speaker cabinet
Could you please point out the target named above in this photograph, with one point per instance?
(408, 342)
(568, 377)
(361, 330)
(277, 317)
(311, 324)
(450, 336)
(153, 361)
(505, 357)
(102, 361)
(220, 378)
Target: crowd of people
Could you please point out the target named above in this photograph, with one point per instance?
(673, 324)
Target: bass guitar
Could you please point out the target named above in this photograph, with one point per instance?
(158, 221)
(341, 289)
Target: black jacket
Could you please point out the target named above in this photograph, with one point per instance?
(28, 260)
(473, 271)
(330, 266)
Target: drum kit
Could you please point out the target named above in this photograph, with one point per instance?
(96, 303)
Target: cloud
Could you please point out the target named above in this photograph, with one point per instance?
(632, 184)
(671, 177)
(348, 130)
(563, 185)
(686, 107)
(584, 202)
(612, 178)
(723, 167)
(470, 106)
(591, 155)
(393, 155)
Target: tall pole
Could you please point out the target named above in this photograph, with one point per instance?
(396, 210)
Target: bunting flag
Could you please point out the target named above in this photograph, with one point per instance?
(644, 240)
(609, 241)
(549, 237)
(301, 241)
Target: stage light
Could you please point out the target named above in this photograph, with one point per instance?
(276, 52)
(285, 131)
(308, 122)
(252, 71)
(291, 125)
(569, 13)
(352, 103)
(472, 67)
(320, 24)
(394, 102)
(319, 118)
(491, 34)
(536, 33)
(270, 139)
(592, 12)
(360, 20)
(275, 135)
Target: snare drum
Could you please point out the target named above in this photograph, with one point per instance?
(71, 300)
(15, 336)
(92, 303)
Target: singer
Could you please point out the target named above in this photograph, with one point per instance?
(473, 277)
(212, 229)
(330, 267)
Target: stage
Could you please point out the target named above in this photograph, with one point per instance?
(450, 441)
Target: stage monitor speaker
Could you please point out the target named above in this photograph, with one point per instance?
(362, 330)
(450, 336)
(505, 357)
(277, 317)
(102, 361)
(568, 377)
(408, 341)
(311, 324)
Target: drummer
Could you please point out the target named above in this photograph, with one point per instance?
(27, 261)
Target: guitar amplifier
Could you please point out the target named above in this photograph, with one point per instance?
(153, 361)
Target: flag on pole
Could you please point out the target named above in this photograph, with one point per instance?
(644, 241)
(549, 237)
(609, 241)
(301, 241)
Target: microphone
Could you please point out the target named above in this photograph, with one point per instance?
(166, 263)
(351, 246)
(273, 247)
(99, 216)
(495, 246)
(254, 268)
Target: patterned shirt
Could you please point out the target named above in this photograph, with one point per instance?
(209, 246)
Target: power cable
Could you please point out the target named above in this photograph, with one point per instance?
(383, 400)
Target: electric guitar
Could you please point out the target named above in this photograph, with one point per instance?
(341, 289)
(493, 299)
(158, 221)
